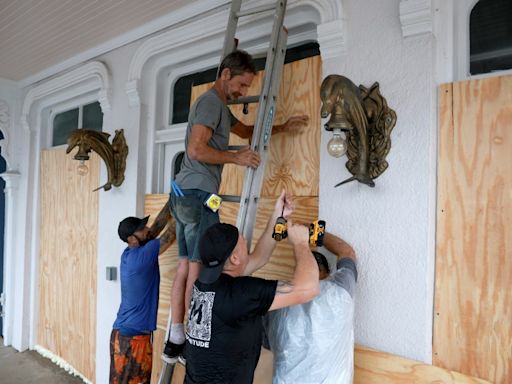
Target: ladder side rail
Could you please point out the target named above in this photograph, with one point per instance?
(166, 373)
(273, 49)
(248, 220)
(229, 39)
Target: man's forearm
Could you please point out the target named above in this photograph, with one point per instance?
(209, 155)
(305, 276)
(168, 236)
(338, 246)
(161, 220)
(265, 245)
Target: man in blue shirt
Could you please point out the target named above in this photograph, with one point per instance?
(130, 342)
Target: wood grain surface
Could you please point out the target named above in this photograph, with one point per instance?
(293, 158)
(293, 164)
(66, 323)
(473, 299)
(375, 367)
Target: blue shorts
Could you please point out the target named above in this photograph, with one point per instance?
(192, 219)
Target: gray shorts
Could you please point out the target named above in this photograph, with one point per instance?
(192, 219)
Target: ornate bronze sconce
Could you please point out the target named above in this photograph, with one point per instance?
(363, 114)
(114, 155)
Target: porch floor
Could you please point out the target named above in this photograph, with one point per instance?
(30, 367)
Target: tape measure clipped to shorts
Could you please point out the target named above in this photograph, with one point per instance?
(213, 202)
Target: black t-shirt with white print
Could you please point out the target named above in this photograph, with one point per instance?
(224, 329)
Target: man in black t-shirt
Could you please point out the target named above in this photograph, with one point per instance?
(224, 324)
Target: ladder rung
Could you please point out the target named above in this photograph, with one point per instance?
(251, 11)
(245, 100)
(236, 147)
(232, 198)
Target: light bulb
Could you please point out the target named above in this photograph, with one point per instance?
(82, 169)
(337, 146)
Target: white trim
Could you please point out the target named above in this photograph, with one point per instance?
(89, 82)
(197, 45)
(451, 29)
(205, 28)
(174, 134)
(5, 127)
(331, 38)
(416, 17)
(95, 74)
(12, 180)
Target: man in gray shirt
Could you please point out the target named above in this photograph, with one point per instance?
(206, 142)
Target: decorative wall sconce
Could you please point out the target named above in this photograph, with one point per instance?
(114, 155)
(366, 120)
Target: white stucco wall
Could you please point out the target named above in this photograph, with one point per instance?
(391, 225)
(115, 205)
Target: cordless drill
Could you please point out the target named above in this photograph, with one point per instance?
(316, 231)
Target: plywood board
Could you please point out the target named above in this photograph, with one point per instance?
(280, 266)
(375, 367)
(473, 299)
(293, 159)
(67, 267)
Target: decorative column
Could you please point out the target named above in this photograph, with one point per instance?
(15, 331)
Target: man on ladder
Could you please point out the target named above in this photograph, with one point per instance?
(207, 149)
(194, 200)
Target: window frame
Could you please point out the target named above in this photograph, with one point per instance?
(66, 107)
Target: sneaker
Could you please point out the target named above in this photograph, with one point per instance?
(172, 352)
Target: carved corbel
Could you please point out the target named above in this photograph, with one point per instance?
(114, 155)
(363, 114)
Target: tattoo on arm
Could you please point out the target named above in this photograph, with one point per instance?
(161, 220)
(168, 236)
(283, 287)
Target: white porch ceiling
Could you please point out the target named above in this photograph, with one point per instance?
(38, 34)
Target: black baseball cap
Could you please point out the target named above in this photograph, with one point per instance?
(130, 225)
(215, 247)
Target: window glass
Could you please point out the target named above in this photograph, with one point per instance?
(490, 34)
(93, 117)
(66, 122)
(63, 124)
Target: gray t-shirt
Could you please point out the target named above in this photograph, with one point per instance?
(208, 110)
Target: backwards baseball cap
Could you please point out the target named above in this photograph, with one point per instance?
(215, 247)
(130, 225)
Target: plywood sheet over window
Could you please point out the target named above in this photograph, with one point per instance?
(293, 159)
(67, 265)
(280, 266)
(473, 299)
(293, 164)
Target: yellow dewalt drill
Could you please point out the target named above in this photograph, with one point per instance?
(316, 231)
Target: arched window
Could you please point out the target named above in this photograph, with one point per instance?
(490, 26)
(87, 116)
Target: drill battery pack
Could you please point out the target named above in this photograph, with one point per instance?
(316, 233)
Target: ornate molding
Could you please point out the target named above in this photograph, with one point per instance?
(132, 90)
(331, 38)
(94, 75)
(416, 17)
(175, 134)
(209, 27)
(12, 180)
